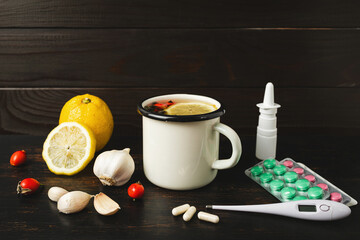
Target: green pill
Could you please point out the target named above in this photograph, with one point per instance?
(256, 171)
(302, 185)
(266, 177)
(315, 193)
(269, 163)
(276, 185)
(290, 177)
(279, 170)
(297, 198)
(288, 193)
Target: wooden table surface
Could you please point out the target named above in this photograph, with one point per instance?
(36, 217)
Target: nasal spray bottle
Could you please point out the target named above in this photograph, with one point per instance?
(266, 136)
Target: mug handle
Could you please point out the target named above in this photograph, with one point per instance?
(236, 147)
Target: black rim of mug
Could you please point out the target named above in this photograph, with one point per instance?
(183, 118)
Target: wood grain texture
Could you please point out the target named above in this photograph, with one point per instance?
(310, 111)
(178, 14)
(179, 58)
(36, 217)
(124, 51)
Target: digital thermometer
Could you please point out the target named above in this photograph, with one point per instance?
(318, 210)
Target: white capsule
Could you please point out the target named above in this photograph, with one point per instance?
(189, 214)
(180, 209)
(208, 217)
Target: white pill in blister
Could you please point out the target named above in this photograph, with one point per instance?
(208, 217)
(180, 209)
(189, 213)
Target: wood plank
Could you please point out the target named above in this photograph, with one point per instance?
(179, 14)
(309, 111)
(178, 58)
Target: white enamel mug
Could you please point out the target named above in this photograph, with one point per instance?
(182, 152)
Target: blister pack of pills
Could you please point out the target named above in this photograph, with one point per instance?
(288, 180)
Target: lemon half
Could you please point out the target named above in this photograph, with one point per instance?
(69, 148)
(189, 109)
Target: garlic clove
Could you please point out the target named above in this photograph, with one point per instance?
(55, 193)
(73, 202)
(104, 205)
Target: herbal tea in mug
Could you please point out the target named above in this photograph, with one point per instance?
(180, 107)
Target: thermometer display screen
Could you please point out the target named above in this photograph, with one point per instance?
(307, 208)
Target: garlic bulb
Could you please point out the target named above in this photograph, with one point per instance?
(73, 202)
(55, 193)
(115, 167)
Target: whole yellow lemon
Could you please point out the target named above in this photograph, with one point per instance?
(94, 113)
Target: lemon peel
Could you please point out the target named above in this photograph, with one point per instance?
(93, 112)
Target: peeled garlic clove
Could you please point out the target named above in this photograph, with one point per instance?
(55, 193)
(105, 205)
(73, 202)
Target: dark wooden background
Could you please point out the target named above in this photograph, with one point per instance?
(124, 51)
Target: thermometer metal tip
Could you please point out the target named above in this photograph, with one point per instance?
(209, 206)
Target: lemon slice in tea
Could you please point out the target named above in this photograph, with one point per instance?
(69, 148)
(189, 109)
